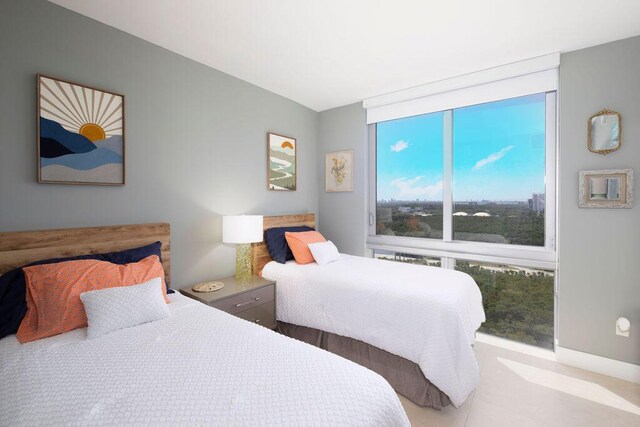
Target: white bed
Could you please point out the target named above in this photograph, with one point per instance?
(424, 314)
(199, 366)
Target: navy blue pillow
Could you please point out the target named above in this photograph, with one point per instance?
(277, 244)
(13, 288)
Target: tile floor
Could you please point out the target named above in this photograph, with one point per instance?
(521, 390)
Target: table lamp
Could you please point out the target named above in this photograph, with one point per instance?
(242, 230)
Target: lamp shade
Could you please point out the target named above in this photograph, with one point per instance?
(242, 228)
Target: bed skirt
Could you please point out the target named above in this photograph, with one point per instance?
(405, 377)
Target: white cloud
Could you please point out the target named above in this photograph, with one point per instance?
(410, 188)
(399, 146)
(494, 157)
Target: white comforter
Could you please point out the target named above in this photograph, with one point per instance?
(427, 315)
(200, 366)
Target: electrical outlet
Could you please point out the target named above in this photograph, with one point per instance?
(623, 326)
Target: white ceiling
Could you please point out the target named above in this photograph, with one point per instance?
(328, 53)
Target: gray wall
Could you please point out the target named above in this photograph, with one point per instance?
(341, 215)
(599, 249)
(195, 138)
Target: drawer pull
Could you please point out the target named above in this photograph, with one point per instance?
(248, 302)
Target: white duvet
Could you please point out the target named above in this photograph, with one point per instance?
(427, 315)
(198, 367)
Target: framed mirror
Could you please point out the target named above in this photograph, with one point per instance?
(605, 132)
(606, 188)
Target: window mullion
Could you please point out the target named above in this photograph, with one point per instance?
(373, 180)
(447, 176)
(550, 170)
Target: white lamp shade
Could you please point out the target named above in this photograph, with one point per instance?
(242, 228)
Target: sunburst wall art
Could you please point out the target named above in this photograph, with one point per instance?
(80, 134)
(281, 162)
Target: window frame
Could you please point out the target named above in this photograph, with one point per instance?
(521, 255)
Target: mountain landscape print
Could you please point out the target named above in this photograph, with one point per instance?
(281, 174)
(80, 134)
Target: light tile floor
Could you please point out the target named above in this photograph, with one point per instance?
(521, 390)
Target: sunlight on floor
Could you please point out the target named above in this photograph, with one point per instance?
(573, 386)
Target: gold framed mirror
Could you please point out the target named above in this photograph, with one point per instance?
(605, 132)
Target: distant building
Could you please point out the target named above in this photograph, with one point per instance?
(460, 214)
(536, 202)
(404, 209)
(481, 214)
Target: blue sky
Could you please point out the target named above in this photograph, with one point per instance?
(498, 151)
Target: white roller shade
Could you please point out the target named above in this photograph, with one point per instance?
(509, 81)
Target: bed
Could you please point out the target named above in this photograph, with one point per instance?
(198, 366)
(414, 325)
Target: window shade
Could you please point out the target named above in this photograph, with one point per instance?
(536, 75)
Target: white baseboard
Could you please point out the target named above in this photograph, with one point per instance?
(602, 365)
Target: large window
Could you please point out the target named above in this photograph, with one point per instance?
(474, 187)
(496, 172)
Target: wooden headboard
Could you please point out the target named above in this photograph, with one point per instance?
(23, 247)
(259, 252)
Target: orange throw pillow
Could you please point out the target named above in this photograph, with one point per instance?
(53, 292)
(299, 244)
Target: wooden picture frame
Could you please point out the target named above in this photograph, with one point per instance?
(282, 162)
(80, 133)
(338, 171)
(609, 188)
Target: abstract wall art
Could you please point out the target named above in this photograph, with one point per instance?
(281, 162)
(339, 171)
(80, 134)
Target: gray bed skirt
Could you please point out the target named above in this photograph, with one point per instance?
(404, 376)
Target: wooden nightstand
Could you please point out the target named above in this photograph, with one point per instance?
(252, 299)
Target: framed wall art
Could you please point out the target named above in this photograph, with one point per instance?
(281, 162)
(80, 134)
(611, 188)
(338, 171)
(604, 132)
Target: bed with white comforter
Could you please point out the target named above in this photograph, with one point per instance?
(427, 315)
(200, 366)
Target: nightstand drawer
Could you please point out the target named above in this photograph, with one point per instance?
(264, 314)
(246, 300)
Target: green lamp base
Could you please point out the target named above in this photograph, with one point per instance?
(243, 261)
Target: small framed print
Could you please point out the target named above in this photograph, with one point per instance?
(611, 188)
(339, 171)
(80, 134)
(281, 162)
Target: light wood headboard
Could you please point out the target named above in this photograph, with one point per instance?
(259, 252)
(23, 247)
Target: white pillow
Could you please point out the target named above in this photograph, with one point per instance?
(123, 307)
(324, 252)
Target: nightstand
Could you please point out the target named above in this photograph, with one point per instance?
(252, 299)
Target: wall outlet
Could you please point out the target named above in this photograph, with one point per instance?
(623, 326)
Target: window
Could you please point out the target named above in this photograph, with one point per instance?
(464, 178)
(482, 174)
(410, 177)
(499, 171)
(518, 302)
